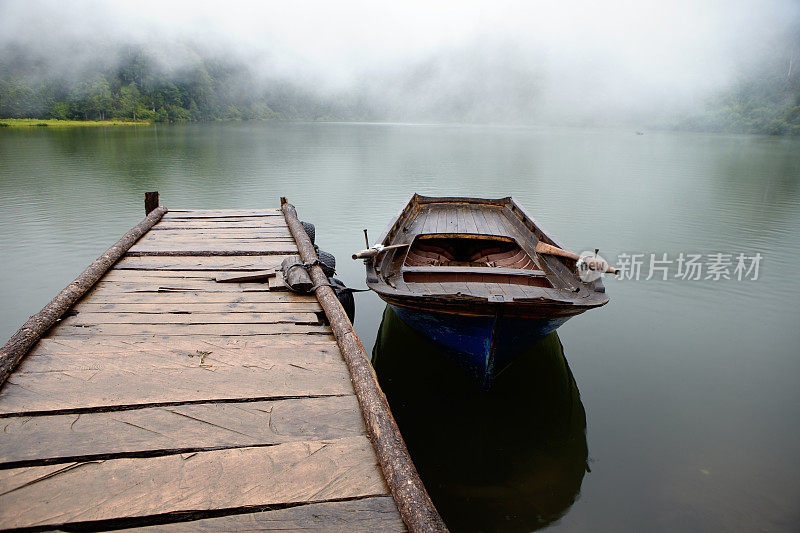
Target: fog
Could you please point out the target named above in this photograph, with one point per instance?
(493, 61)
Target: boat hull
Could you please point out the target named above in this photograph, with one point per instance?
(482, 345)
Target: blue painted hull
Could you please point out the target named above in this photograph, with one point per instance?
(481, 345)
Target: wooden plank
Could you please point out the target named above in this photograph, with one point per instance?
(420, 220)
(494, 218)
(68, 328)
(177, 427)
(222, 252)
(245, 277)
(363, 515)
(199, 283)
(469, 218)
(461, 225)
(171, 297)
(223, 217)
(452, 219)
(480, 221)
(201, 225)
(182, 218)
(241, 240)
(206, 353)
(251, 234)
(278, 283)
(308, 471)
(225, 212)
(430, 221)
(88, 318)
(228, 263)
(237, 219)
(215, 245)
(124, 275)
(238, 222)
(230, 233)
(177, 285)
(227, 350)
(91, 381)
(441, 219)
(181, 308)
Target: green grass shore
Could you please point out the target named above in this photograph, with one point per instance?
(52, 123)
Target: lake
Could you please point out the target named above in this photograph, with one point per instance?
(674, 407)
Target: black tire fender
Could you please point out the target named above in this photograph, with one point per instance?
(327, 261)
(310, 230)
(345, 298)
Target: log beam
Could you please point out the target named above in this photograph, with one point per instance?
(416, 507)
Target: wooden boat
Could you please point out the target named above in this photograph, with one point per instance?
(466, 273)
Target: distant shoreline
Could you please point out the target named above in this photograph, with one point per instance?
(52, 123)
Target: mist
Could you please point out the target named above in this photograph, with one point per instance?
(576, 63)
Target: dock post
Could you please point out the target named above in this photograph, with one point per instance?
(150, 202)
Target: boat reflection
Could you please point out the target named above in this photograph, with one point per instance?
(508, 459)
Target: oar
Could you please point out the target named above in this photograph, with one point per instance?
(375, 250)
(544, 248)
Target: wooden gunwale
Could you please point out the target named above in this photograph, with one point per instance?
(492, 271)
(468, 306)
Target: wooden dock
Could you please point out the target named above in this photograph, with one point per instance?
(165, 399)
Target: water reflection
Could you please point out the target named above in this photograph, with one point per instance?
(508, 459)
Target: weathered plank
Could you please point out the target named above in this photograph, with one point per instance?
(55, 438)
(215, 228)
(278, 283)
(256, 220)
(309, 471)
(226, 212)
(199, 224)
(366, 515)
(68, 328)
(245, 262)
(203, 355)
(84, 318)
(187, 237)
(273, 307)
(289, 349)
(161, 275)
(215, 245)
(245, 277)
(57, 383)
(247, 234)
(251, 296)
(181, 284)
(223, 213)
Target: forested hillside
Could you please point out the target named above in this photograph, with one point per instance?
(766, 101)
(132, 84)
(138, 87)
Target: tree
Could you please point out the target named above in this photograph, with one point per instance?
(129, 101)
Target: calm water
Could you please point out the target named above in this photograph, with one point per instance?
(688, 390)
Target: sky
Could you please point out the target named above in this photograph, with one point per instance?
(581, 57)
